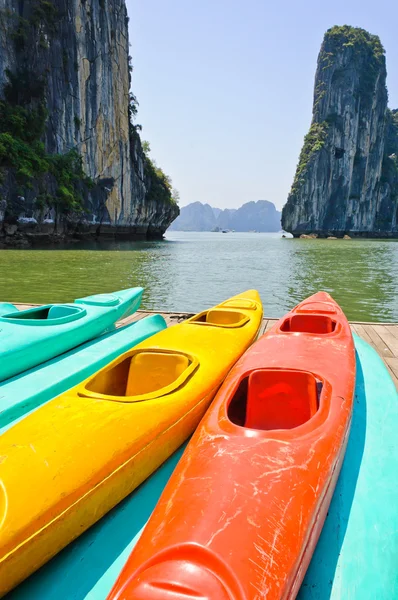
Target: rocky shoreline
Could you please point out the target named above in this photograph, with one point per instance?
(339, 235)
(26, 236)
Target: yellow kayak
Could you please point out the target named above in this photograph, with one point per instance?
(68, 463)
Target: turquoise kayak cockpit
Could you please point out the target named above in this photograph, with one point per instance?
(52, 314)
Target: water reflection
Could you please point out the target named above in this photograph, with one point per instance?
(191, 271)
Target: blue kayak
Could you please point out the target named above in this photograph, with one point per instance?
(356, 556)
(30, 337)
(25, 392)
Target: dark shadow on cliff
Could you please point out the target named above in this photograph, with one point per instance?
(318, 582)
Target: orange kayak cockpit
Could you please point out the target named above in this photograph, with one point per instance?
(269, 399)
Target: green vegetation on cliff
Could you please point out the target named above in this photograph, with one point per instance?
(58, 179)
(367, 50)
(159, 185)
(389, 171)
(313, 141)
(344, 36)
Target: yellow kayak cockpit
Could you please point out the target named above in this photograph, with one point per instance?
(227, 314)
(142, 375)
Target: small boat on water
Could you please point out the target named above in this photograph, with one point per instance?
(70, 461)
(30, 337)
(241, 515)
(26, 391)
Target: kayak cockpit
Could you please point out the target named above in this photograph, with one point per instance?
(52, 314)
(270, 399)
(317, 324)
(143, 375)
(218, 317)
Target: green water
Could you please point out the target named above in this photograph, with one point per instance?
(192, 271)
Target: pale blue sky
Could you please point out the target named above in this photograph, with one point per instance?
(225, 87)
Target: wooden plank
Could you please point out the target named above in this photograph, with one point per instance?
(372, 323)
(390, 340)
(354, 328)
(175, 318)
(270, 324)
(392, 365)
(393, 329)
(25, 306)
(378, 344)
(362, 331)
(137, 316)
(22, 306)
(264, 324)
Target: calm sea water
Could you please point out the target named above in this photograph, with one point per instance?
(192, 271)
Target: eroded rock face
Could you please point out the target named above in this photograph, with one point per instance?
(346, 177)
(83, 54)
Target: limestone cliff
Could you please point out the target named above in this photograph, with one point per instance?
(76, 52)
(346, 179)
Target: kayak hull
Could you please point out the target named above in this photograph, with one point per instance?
(358, 531)
(259, 472)
(33, 336)
(87, 449)
(25, 392)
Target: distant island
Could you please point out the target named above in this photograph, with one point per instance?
(251, 216)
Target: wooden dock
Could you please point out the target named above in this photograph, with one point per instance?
(382, 336)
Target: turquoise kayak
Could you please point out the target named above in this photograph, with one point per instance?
(25, 392)
(356, 556)
(30, 337)
(357, 553)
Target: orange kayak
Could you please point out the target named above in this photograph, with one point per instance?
(241, 515)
